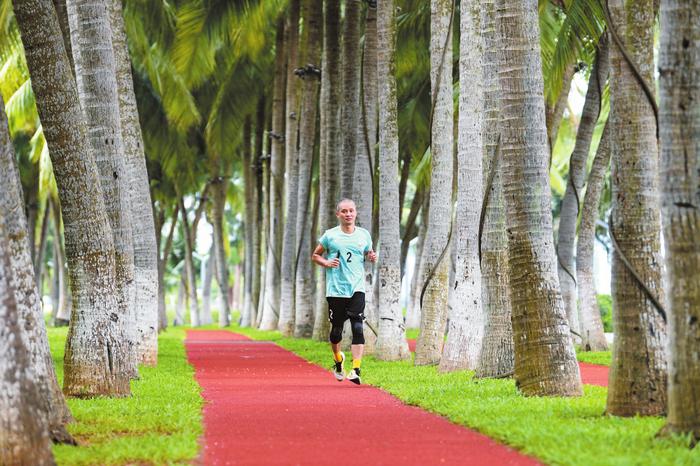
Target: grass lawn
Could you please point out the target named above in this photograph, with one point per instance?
(602, 358)
(159, 424)
(566, 431)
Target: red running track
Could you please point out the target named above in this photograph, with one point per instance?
(591, 374)
(265, 405)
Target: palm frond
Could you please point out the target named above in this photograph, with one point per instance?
(21, 110)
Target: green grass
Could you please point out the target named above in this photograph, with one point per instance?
(602, 358)
(159, 424)
(566, 431)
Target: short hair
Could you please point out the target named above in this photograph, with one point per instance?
(345, 199)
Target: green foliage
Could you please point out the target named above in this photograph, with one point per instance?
(602, 358)
(159, 424)
(563, 431)
(605, 305)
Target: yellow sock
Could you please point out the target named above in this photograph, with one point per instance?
(356, 363)
(338, 356)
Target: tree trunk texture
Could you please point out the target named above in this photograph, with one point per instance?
(554, 113)
(63, 312)
(24, 433)
(639, 369)
(330, 158)
(545, 360)
(434, 306)
(270, 313)
(350, 94)
(219, 189)
(62, 13)
(497, 356)
(250, 212)
(411, 227)
(162, 264)
(93, 365)
(31, 207)
(571, 204)
(465, 330)
(264, 207)
(592, 332)
(310, 47)
(41, 247)
(207, 272)
(145, 249)
(257, 229)
(27, 299)
(95, 64)
(289, 244)
(679, 67)
(413, 312)
(391, 339)
(180, 303)
(190, 272)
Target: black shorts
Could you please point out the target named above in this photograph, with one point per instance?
(341, 309)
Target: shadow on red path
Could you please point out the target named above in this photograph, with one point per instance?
(265, 405)
(591, 374)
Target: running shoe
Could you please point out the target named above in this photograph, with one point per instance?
(338, 368)
(354, 376)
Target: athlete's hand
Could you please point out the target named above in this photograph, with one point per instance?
(333, 263)
(372, 256)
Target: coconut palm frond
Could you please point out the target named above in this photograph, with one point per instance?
(21, 110)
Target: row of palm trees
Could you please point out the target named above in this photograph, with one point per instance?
(345, 105)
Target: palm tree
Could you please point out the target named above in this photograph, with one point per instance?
(466, 326)
(436, 266)
(638, 370)
(24, 435)
(680, 130)
(350, 117)
(142, 224)
(94, 337)
(545, 361)
(391, 339)
(93, 56)
(289, 244)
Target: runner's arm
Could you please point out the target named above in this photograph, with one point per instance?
(317, 257)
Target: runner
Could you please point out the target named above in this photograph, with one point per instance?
(345, 248)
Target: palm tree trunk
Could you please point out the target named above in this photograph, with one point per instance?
(219, 188)
(350, 97)
(570, 207)
(41, 247)
(91, 38)
(639, 369)
(466, 327)
(145, 249)
(555, 112)
(26, 294)
(413, 313)
(93, 362)
(62, 13)
(180, 303)
(497, 356)
(679, 68)
(311, 54)
(270, 312)
(592, 333)
(162, 264)
(289, 243)
(190, 272)
(545, 361)
(24, 434)
(391, 339)
(434, 306)
(63, 311)
(330, 159)
(411, 227)
(207, 272)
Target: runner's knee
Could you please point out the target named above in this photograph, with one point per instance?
(358, 336)
(336, 334)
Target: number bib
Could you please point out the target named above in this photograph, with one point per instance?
(350, 250)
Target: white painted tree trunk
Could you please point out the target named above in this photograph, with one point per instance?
(434, 306)
(391, 339)
(93, 364)
(142, 224)
(189, 270)
(466, 325)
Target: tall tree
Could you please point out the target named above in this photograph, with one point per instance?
(289, 244)
(350, 117)
(391, 339)
(95, 65)
(466, 326)
(545, 361)
(679, 67)
(145, 259)
(26, 295)
(638, 370)
(497, 356)
(190, 272)
(435, 259)
(91, 365)
(24, 435)
(271, 307)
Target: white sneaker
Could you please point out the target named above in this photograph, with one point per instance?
(354, 376)
(338, 368)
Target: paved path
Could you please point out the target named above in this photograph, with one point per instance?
(591, 374)
(265, 405)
